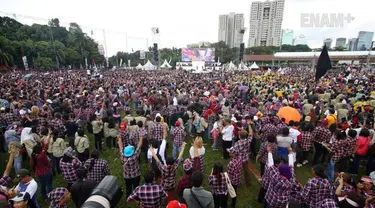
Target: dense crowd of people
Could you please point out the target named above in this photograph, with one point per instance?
(46, 119)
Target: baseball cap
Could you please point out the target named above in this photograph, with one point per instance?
(22, 173)
(128, 151)
(176, 204)
(178, 123)
(23, 196)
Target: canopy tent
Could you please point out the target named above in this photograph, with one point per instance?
(254, 66)
(231, 66)
(165, 65)
(139, 66)
(242, 67)
(149, 66)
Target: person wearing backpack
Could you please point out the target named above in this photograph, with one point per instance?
(160, 153)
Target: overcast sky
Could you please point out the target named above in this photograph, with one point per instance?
(181, 22)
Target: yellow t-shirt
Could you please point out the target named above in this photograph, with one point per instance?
(331, 119)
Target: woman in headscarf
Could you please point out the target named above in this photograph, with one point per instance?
(28, 139)
(59, 198)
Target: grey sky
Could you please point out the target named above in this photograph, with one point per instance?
(181, 22)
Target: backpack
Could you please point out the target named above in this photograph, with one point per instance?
(154, 165)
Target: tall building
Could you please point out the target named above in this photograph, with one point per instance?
(328, 42)
(265, 23)
(287, 37)
(364, 40)
(231, 29)
(341, 42)
(352, 44)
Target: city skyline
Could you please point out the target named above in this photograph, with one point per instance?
(231, 29)
(137, 18)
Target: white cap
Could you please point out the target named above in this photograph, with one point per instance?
(255, 118)
(2, 108)
(49, 101)
(115, 104)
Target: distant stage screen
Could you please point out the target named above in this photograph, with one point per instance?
(198, 54)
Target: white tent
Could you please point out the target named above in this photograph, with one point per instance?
(254, 66)
(149, 66)
(139, 66)
(242, 67)
(231, 66)
(165, 65)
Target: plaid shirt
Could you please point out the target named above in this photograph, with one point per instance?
(157, 131)
(58, 125)
(99, 170)
(234, 168)
(218, 186)
(5, 180)
(168, 174)
(269, 129)
(125, 137)
(150, 196)
(350, 148)
(279, 189)
(321, 134)
(306, 141)
(198, 163)
(185, 182)
(178, 136)
(263, 151)
(211, 119)
(10, 118)
(42, 123)
(130, 165)
(69, 170)
(338, 149)
(316, 190)
(329, 203)
(242, 147)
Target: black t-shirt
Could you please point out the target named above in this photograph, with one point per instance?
(81, 191)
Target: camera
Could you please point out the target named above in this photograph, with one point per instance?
(106, 194)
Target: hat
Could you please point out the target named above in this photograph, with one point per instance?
(316, 102)
(158, 115)
(115, 104)
(178, 123)
(233, 119)
(49, 101)
(57, 194)
(188, 165)
(176, 204)
(255, 118)
(69, 152)
(101, 89)
(2, 108)
(23, 196)
(308, 118)
(128, 151)
(22, 173)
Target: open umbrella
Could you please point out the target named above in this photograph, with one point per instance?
(28, 76)
(289, 114)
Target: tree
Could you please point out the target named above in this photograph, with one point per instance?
(43, 63)
(338, 48)
(5, 48)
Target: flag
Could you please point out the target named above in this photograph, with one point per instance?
(324, 64)
(120, 62)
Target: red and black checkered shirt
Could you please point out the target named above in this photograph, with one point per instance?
(350, 148)
(168, 174)
(234, 168)
(219, 185)
(10, 118)
(329, 203)
(58, 125)
(316, 190)
(321, 134)
(98, 171)
(130, 165)
(185, 182)
(150, 196)
(263, 151)
(157, 131)
(242, 147)
(269, 129)
(339, 149)
(5, 180)
(178, 136)
(69, 170)
(306, 141)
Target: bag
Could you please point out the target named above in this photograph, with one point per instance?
(231, 191)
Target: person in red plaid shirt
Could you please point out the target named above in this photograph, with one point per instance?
(157, 129)
(262, 154)
(305, 143)
(97, 168)
(234, 168)
(168, 171)
(148, 195)
(130, 164)
(338, 149)
(321, 134)
(317, 189)
(185, 181)
(69, 165)
(219, 186)
(178, 137)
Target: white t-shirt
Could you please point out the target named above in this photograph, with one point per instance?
(31, 188)
(201, 151)
(161, 152)
(228, 132)
(294, 133)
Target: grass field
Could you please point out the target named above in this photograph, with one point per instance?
(247, 196)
